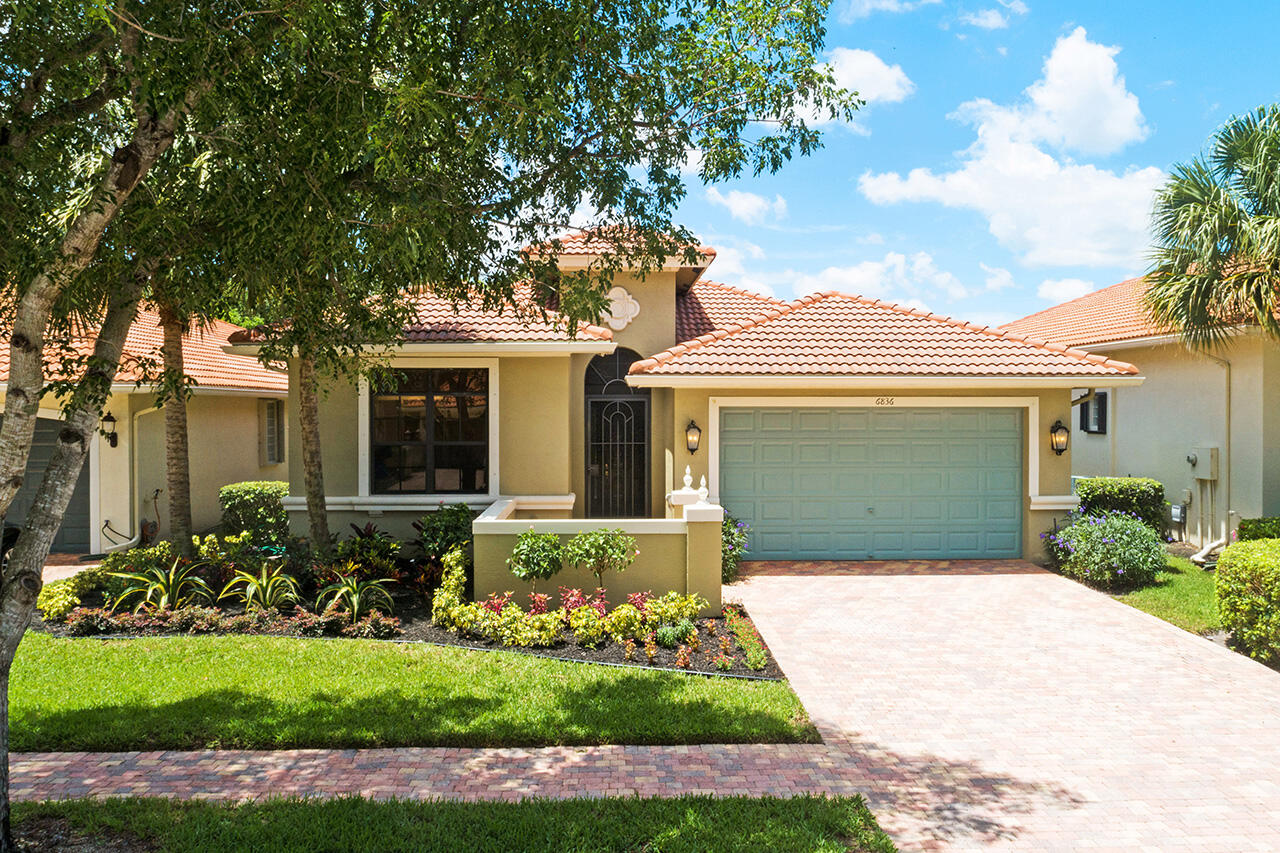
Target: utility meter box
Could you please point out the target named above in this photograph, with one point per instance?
(1178, 513)
(1204, 463)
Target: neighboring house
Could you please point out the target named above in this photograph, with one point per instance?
(236, 425)
(839, 427)
(1220, 409)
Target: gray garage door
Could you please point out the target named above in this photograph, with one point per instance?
(73, 536)
(875, 484)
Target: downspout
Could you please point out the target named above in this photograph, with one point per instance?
(1202, 555)
(136, 500)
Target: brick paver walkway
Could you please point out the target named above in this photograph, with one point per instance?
(995, 709)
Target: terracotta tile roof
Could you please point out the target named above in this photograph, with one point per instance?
(709, 305)
(1112, 314)
(594, 242)
(202, 354)
(834, 334)
(438, 321)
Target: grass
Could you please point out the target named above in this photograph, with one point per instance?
(288, 825)
(1182, 594)
(279, 693)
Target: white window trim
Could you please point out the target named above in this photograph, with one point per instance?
(365, 446)
(1030, 404)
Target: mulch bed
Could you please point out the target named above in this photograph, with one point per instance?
(415, 622)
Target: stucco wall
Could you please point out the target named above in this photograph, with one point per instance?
(654, 329)
(1055, 476)
(1182, 405)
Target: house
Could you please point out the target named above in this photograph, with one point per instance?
(837, 426)
(1206, 425)
(236, 424)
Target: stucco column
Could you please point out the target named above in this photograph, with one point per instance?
(702, 560)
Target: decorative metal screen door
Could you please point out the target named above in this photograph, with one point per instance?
(617, 439)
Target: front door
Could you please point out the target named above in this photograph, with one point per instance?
(617, 439)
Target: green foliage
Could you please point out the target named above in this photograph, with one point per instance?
(269, 589)
(256, 508)
(1248, 587)
(1259, 528)
(453, 583)
(163, 589)
(625, 622)
(601, 551)
(355, 595)
(1214, 225)
(1182, 595)
(372, 551)
(733, 547)
(445, 530)
(672, 607)
(60, 597)
(588, 626)
(755, 655)
(536, 556)
(1112, 551)
(668, 636)
(374, 626)
(1138, 496)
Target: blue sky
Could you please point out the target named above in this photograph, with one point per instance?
(1006, 157)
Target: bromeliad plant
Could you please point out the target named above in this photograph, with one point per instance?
(357, 596)
(601, 551)
(163, 589)
(270, 589)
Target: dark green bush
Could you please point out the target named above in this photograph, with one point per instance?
(1110, 550)
(1259, 528)
(733, 546)
(1248, 586)
(256, 507)
(441, 531)
(1138, 496)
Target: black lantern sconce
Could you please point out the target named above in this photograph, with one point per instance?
(109, 429)
(692, 437)
(1058, 436)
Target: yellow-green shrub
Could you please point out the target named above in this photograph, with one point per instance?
(1248, 587)
(625, 622)
(588, 626)
(672, 607)
(59, 598)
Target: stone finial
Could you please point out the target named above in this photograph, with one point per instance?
(688, 477)
(703, 491)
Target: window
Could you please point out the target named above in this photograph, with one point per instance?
(430, 433)
(1093, 414)
(271, 432)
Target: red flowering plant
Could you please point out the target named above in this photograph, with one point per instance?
(495, 603)
(538, 603)
(640, 601)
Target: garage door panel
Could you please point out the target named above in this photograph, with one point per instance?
(73, 535)
(836, 483)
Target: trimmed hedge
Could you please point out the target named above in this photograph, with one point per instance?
(1248, 586)
(1140, 496)
(1110, 550)
(256, 506)
(1259, 528)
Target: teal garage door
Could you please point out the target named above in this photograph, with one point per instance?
(874, 484)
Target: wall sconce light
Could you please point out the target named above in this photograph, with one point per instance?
(692, 437)
(109, 429)
(1058, 436)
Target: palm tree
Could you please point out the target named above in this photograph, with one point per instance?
(1216, 263)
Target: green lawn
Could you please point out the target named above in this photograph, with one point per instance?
(284, 826)
(1182, 594)
(274, 692)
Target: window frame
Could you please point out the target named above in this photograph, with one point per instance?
(1088, 409)
(364, 437)
(267, 431)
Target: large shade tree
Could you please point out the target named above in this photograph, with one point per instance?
(1216, 264)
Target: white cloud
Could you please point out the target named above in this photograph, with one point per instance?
(1041, 203)
(875, 81)
(731, 265)
(998, 278)
(1064, 289)
(748, 207)
(911, 280)
(987, 19)
(855, 9)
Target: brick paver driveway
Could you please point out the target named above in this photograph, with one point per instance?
(995, 706)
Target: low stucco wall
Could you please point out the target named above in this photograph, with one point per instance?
(686, 560)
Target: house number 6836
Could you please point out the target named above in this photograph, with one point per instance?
(885, 401)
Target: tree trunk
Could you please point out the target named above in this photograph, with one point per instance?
(124, 171)
(22, 578)
(176, 451)
(312, 464)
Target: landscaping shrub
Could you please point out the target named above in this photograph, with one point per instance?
(453, 582)
(256, 507)
(158, 588)
(601, 551)
(269, 589)
(442, 531)
(355, 595)
(668, 636)
(59, 598)
(733, 546)
(673, 607)
(1258, 528)
(1248, 588)
(753, 648)
(536, 557)
(371, 553)
(1115, 550)
(1139, 496)
(588, 626)
(374, 626)
(625, 622)
(86, 622)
